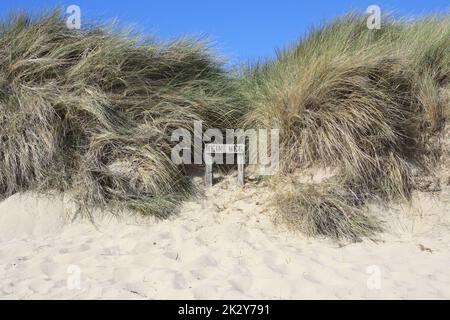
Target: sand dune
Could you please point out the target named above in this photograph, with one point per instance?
(223, 246)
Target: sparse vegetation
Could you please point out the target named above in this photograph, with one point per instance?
(326, 210)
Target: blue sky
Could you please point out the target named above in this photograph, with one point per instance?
(242, 30)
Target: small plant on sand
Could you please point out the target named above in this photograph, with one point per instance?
(326, 210)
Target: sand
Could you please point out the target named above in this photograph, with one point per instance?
(223, 246)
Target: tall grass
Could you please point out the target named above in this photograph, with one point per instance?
(367, 102)
(90, 112)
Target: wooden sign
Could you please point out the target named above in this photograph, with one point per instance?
(238, 149)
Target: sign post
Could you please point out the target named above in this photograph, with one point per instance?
(238, 149)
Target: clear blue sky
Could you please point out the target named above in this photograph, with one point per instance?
(243, 30)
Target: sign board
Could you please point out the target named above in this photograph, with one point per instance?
(225, 148)
(238, 149)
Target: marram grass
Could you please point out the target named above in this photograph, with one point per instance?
(326, 210)
(90, 112)
(370, 103)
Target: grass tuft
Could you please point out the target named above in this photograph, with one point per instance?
(326, 210)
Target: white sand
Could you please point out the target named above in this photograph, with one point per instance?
(219, 248)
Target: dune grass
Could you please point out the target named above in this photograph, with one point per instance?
(326, 210)
(367, 102)
(90, 112)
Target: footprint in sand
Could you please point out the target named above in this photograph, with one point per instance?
(275, 262)
(180, 282)
(40, 286)
(241, 283)
(173, 255)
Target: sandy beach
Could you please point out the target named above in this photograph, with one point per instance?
(226, 245)
(223, 157)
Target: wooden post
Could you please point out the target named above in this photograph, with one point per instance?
(208, 170)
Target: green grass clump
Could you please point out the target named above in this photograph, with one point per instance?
(91, 111)
(367, 102)
(326, 210)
